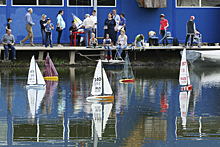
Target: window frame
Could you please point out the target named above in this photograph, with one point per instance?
(92, 5)
(37, 5)
(196, 7)
(5, 4)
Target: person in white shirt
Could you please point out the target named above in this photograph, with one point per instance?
(89, 25)
(94, 18)
(117, 19)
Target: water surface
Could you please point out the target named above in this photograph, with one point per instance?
(149, 112)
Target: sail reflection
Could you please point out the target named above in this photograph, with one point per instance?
(35, 97)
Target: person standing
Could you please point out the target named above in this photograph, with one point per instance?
(94, 18)
(109, 27)
(48, 29)
(29, 24)
(89, 25)
(8, 41)
(123, 21)
(190, 30)
(116, 17)
(122, 43)
(43, 22)
(72, 29)
(60, 26)
(163, 27)
(8, 24)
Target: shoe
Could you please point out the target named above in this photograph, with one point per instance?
(110, 59)
(59, 45)
(32, 45)
(45, 46)
(51, 46)
(105, 59)
(21, 43)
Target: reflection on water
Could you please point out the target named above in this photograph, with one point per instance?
(150, 112)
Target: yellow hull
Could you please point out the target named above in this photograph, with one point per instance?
(53, 78)
(105, 97)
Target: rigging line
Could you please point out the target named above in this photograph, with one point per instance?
(85, 56)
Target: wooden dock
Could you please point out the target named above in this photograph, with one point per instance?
(73, 50)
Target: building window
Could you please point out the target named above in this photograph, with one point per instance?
(198, 3)
(24, 2)
(106, 2)
(80, 3)
(37, 2)
(90, 3)
(2, 2)
(50, 2)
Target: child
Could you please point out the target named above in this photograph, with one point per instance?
(107, 45)
(163, 25)
(93, 41)
(48, 29)
(8, 24)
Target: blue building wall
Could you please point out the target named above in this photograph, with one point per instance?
(139, 20)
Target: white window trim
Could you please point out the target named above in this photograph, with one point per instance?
(37, 5)
(88, 6)
(196, 7)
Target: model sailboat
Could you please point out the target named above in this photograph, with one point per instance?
(184, 73)
(50, 70)
(101, 87)
(128, 75)
(35, 78)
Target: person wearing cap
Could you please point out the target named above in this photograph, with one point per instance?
(190, 30)
(43, 22)
(29, 24)
(163, 27)
(89, 26)
(48, 29)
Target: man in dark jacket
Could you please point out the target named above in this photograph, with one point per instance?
(190, 30)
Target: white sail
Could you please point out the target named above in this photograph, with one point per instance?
(40, 79)
(97, 118)
(32, 72)
(187, 71)
(97, 80)
(40, 96)
(184, 103)
(107, 86)
(107, 110)
(183, 69)
(32, 101)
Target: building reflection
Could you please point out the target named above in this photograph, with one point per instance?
(64, 116)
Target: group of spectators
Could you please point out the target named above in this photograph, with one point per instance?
(112, 25)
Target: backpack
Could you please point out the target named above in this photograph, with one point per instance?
(175, 42)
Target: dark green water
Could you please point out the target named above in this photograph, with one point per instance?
(148, 112)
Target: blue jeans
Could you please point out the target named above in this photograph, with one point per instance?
(120, 49)
(108, 48)
(139, 44)
(43, 36)
(88, 31)
(6, 47)
(48, 38)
